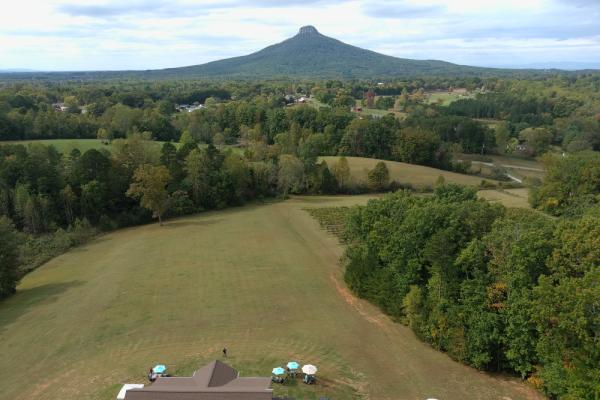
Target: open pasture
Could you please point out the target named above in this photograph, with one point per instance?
(444, 98)
(418, 176)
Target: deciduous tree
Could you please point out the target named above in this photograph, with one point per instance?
(150, 188)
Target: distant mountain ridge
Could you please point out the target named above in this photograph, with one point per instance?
(308, 54)
(15, 70)
(311, 54)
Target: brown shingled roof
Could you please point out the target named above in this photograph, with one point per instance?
(214, 381)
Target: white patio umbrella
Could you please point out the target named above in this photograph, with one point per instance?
(309, 369)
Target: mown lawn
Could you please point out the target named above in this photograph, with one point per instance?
(263, 280)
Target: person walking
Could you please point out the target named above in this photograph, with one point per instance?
(225, 352)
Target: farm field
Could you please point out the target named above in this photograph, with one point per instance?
(417, 175)
(263, 280)
(445, 98)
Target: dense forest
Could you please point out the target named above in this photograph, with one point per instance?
(500, 289)
(534, 114)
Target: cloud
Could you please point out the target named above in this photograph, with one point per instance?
(401, 10)
(579, 3)
(139, 8)
(110, 10)
(166, 8)
(138, 34)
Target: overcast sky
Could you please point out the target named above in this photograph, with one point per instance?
(147, 34)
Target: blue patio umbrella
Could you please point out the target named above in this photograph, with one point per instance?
(278, 371)
(159, 369)
(293, 365)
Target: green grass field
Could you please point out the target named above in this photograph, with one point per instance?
(263, 280)
(417, 175)
(311, 101)
(445, 98)
(508, 197)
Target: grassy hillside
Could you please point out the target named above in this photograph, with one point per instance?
(417, 175)
(263, 280)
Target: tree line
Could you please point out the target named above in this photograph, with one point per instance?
(511, 290)
(536, 114)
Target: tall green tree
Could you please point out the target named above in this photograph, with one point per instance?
(149, 186)
(290, 176)
(379, 177)
(9, 242)
(341, 172)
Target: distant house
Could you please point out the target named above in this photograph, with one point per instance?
(215, 381)
(189, 107)
(60, 107)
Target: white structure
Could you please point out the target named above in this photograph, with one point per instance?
(189, 108)
(126, 387)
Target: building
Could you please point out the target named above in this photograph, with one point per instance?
(60, 107)
(189, 107)
(215, 381)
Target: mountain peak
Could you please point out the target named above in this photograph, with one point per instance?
(312, 54)
(308, 30)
